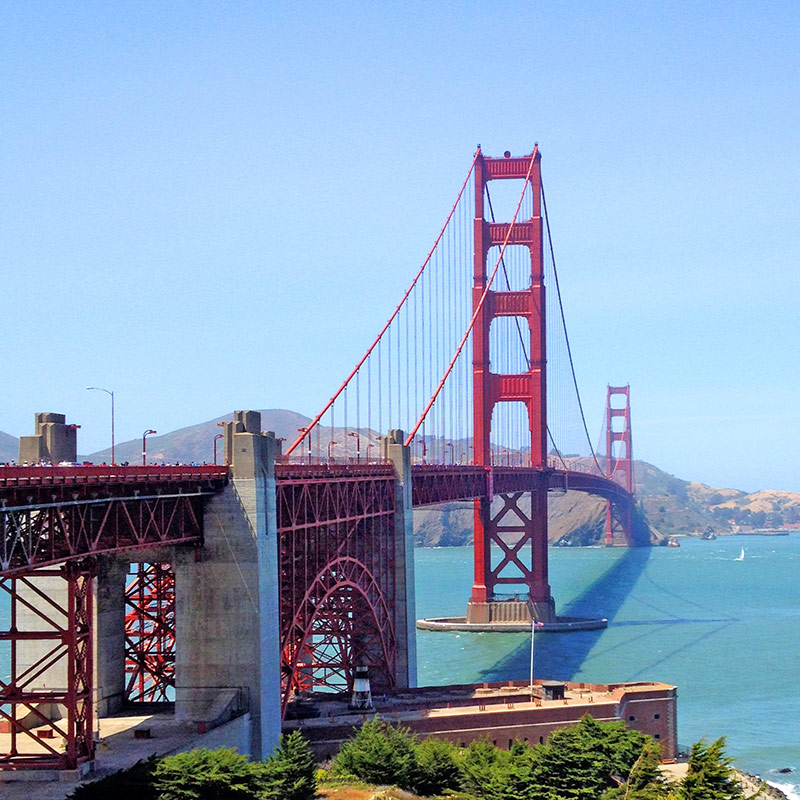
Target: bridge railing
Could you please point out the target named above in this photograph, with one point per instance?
(11, 476)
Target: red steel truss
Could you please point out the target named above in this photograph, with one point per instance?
(336, 529)
(49, 726)
(619, 464)
(150, 634)
(42, 525)
(490, 389)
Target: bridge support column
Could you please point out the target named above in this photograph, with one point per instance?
(405, 602)
(227, 626)
(110, 634)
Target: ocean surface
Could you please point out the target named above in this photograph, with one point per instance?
(725, 632)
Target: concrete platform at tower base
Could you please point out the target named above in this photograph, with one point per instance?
(119, 747)
(559, 625)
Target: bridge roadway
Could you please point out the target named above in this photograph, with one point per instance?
(50, 515)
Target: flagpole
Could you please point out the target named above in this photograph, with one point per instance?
(533, 623)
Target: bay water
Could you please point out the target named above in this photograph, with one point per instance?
(725, 631)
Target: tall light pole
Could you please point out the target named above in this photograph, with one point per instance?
(331, 443)
(111, 395)
(144, 445)
(216, 438)
(358, 445)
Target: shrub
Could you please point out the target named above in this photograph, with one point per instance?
(379, 753)
(208, 775)
(134, 783)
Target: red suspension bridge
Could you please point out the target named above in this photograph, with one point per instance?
(473, 379)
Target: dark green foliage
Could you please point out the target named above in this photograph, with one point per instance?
(208, 775)
(515, 778)
(379, 754)
(480, 763)
(134, 783)
(645, 781)
(437, 767)
(584, 760)
(710, 776)
(289, 773)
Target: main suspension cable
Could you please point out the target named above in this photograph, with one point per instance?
(566, 335)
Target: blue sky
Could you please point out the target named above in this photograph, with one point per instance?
(209, 206)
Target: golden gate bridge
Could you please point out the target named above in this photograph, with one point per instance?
(468, 393)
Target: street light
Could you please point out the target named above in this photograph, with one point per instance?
(424, 448)
(452, 452)
(358, 446)
(111, 395)
(144, 445)
(304, 431)
(331, 443)
(218, 436)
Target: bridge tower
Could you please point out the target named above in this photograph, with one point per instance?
(491, 389)
(619, 463)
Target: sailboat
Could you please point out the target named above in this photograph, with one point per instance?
(741, 556)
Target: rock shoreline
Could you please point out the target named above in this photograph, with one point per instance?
(751, 784)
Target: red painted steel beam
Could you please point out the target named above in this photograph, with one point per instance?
(337, 593)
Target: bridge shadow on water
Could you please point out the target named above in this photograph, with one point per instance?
(561, 656)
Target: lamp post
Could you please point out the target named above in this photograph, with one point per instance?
(144, 445)
(216, 439)
(305, 430)
(424, 448)
(331, 443)
(452, 452)
(358, 446)
(111, 395)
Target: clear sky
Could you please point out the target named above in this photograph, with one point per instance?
(208, 205)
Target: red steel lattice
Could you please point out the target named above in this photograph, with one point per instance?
(61, 646)
(150, 634)
(336, 528)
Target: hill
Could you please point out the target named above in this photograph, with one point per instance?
(195, 443)
(9, 448)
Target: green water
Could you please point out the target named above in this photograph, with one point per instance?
(725, 632)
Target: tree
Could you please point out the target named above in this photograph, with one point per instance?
(480, 762)
(584, 760)
(289, 773)
(709, 776)
(437, 767)
(645, 781)
(208, 775)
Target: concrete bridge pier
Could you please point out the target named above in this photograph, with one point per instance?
(399, 455)
(227, 626)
